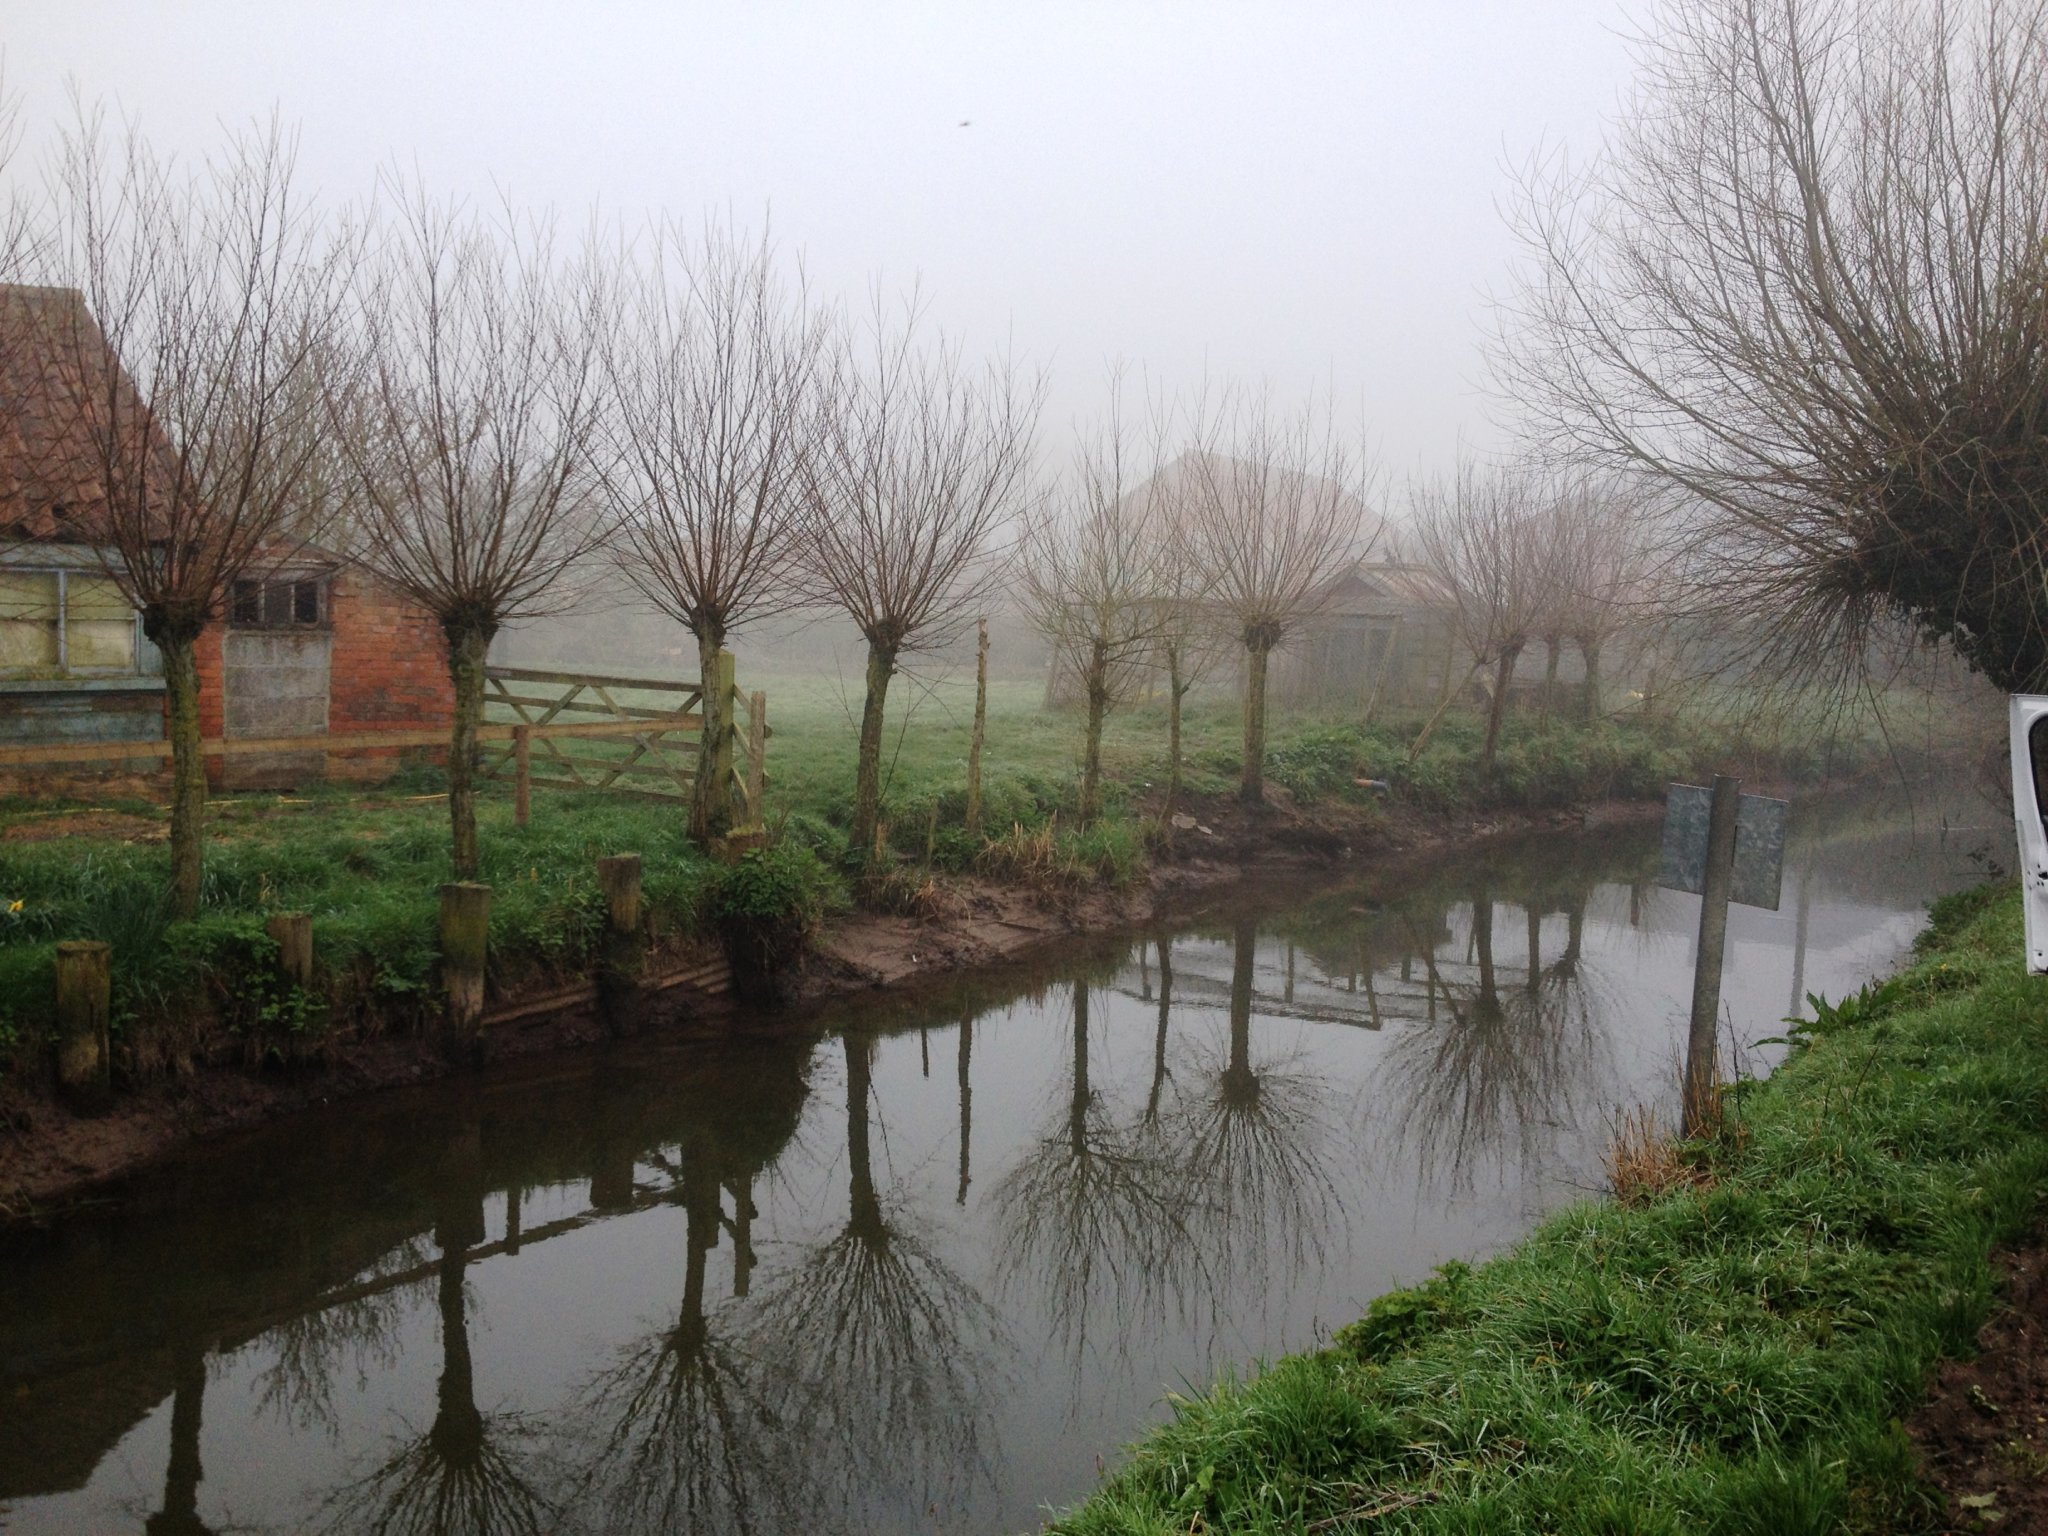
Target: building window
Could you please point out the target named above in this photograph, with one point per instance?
(64, 623)
(297, 603)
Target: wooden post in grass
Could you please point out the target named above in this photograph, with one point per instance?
(618, 876)
(623, 955)
(980, 727)
(465, 926)
(757, 759)
(85, 978)
(1701, 1046)
(293, 933)
(522, 774)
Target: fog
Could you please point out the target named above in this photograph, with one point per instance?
(1303, 194)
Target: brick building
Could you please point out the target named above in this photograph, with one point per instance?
(308, 644)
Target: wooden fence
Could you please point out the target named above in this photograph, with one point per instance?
(657, 721)
(634, 747)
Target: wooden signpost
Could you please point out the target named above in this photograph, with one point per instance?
(1724, 846)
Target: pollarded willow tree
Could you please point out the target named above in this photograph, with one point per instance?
(177, 405)
(1091, 570)
(466, 399)
(714, 410)
(922, 461)
(1483, 534)
(1807, 284)
(1273, 507)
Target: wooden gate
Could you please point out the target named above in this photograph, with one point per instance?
(653, 746)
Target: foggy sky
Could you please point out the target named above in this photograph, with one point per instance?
(1301, 194)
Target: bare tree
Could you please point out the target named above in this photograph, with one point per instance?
(1274, 508)
(1482, 534)
(468, 410)
(184, 436)
(922, 461)
(1608, 573)
(1188, 642)
(1805, 283)
(714, 408)
(1091, 572)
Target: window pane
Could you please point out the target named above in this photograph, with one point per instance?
(28, 620)
(306, 602)
(247, 607)
(95, 599)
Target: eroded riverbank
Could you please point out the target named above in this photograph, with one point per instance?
(50, 1156)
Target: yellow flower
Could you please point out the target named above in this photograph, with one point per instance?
(14, 906)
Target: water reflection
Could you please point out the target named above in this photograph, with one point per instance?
(818, 1281)
(470, 1471)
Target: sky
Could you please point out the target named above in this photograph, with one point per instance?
(1304, 197)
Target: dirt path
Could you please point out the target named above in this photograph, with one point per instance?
(1983, 1431)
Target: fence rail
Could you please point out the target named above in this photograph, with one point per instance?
(635, 747)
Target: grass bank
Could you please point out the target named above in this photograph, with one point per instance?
(367, 866)
(1730, 1355)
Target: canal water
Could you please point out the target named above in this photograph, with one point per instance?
(900, 1267)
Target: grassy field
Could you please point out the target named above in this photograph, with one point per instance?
(367, 864)
(1727, 1348)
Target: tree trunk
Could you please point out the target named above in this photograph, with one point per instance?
(467, 645)
(1554, 648)
(1497, 710)
(1252, 785)
(1091, 740)
(1176, 690)
(1240, 1083)
(710, 802)
(188, 770)
(867, 776)
(1077, 1103)
(1590, 649)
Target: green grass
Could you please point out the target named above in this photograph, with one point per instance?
(1732, 1358)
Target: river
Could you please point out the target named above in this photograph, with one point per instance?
(903, 1265)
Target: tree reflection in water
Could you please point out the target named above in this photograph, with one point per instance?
(891, 1355)
(1254, 1150)
(689, 1417)
(471, 1471)
(1503, 1069)
(1094, 1212)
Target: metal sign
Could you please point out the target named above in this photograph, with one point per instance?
(1759, 845)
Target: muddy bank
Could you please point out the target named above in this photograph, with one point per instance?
(51, 1158)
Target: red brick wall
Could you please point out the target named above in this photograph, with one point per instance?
(388, 668)
(390, 662)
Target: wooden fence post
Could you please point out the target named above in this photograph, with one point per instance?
(618, 876)
(465, 926)
(980, 728)
(293, 932)
(85, 975)
(622, 956)
(522, 774)
(757, 758)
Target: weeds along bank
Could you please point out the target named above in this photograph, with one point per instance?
(368, 871)
(1728, 1346)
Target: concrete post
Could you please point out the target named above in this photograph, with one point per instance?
(1701, 1047)
(465, 926)
(293, 933)
(85, 976)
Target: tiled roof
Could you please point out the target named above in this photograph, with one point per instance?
(58, 382)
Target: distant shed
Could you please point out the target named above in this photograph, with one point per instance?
(307, 645)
